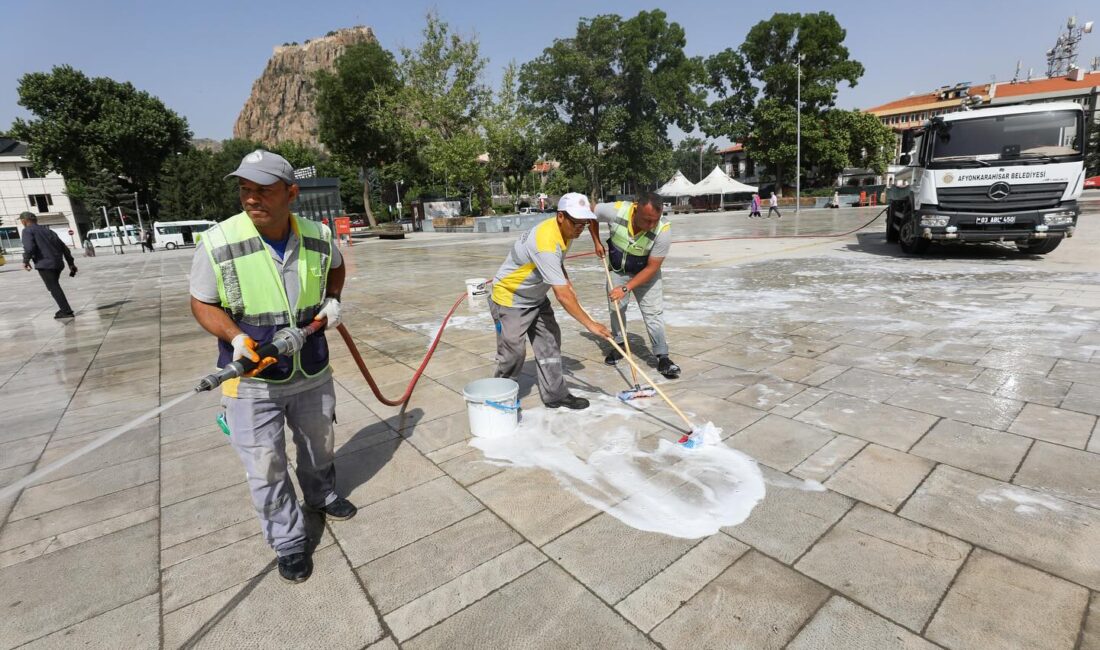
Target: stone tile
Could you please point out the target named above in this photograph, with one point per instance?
(1083, 398)
(533, 503)
(768, 394)
(727, 416)
(743, 358)
(470, 468)
(843, 624)
(463, 590)
(194, 518)
(1067, 473)
(792, 516)
(970, 447)
(1031, 527)
(1090, 635)
(1076, 371)
(657, 599)
(959, 404)
(535, 603)
(436, 434)
(887, 425)
(387, 525)
(798, 368)
(48, 525)
(62, 589)
(420, 567)
(756, 603)
(880, 476)
(1016, 362)
(779, 442)
(800, 402)
(867, 384)
(134, 626)
(44, 497)
(821, 464)
(1049, 392)
(81, 535)
(22, 451)
(1054, 425)
(381, 471)
(892, 566)
(998, 603)
(209, 542)
(588, 550)
(200, 473)
(254, 613)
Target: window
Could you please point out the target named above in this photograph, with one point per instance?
(27, 171)
(41, 202)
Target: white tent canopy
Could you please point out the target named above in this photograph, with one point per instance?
(678, 186)
(718, 182)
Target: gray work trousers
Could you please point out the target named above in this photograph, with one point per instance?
(651, 302)
(515, 325)
(256, 432)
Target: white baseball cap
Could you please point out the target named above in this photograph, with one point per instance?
(576, 205)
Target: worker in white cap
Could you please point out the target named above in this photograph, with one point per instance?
(521, 308)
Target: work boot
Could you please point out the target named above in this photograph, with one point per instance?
(667, 368)
(63, 314)
(569, 402)
(340, 509)
(295, 567)
(612, 357)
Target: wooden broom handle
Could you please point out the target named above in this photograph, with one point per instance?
(622, 325)
(691, 427)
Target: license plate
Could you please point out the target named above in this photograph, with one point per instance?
(982, 220)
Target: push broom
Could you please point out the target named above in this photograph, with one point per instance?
(637, 391)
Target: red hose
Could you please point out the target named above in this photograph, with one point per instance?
(438, 335)
(419, 371)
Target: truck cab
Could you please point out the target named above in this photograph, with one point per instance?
(1010, 174)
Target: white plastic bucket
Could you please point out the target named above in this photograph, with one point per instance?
(493, 407)
(476, 288)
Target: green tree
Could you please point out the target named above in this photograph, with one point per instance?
(607, 96)
(770, 55)
(686, 158)
(441, 105)
(101, 189)
(356, 107)
(730, 113)
(85, 125)
(510, 135)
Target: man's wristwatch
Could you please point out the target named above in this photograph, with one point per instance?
(625, 289)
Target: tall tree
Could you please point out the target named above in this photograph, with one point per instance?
(510, 135)
(695, 158)
(355, 110)
(85, 125)
(607, 96)
(441, 105)
(768, 59)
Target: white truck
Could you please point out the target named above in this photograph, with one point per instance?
(1010, 174)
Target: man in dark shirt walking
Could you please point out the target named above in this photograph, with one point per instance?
(49, 254)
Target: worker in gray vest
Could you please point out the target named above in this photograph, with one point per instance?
(640, 238)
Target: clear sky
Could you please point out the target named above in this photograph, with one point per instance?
(201, 57)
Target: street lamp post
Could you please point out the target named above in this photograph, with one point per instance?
(703, 144)
(397, 195)
(798, 138)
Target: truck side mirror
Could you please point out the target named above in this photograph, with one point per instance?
(904, 159)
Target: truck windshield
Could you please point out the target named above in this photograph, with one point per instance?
(1027, 136)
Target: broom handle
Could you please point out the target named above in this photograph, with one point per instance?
(691, 427)
(622, 325)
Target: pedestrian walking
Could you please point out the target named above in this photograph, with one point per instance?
(256, 273)
(50, 255)
(521, 309)
(773, 205)
(147, 240)
(754, 206)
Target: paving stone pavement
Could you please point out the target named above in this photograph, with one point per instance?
(926, 428)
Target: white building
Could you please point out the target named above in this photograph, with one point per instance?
(21, 190)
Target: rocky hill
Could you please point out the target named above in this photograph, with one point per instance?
(280, 108)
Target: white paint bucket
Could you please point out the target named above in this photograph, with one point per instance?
(476, 288)
(493, 407)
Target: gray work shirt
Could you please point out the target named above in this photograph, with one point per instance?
(662, 243)
(204, 288)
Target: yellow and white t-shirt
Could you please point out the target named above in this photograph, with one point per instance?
(534, 264)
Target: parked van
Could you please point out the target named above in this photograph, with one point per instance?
(107, 237)
(170, 235)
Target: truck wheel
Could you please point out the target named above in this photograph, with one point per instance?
(891, 225)
(1038, 246)
(171, 246)
(910, 240)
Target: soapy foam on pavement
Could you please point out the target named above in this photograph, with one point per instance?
(648, 483)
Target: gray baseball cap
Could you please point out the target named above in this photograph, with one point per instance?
(265, 168)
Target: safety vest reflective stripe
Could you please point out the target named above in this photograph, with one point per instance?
(620, 231)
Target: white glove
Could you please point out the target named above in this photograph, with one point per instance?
(330, 310)
(244, 346)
